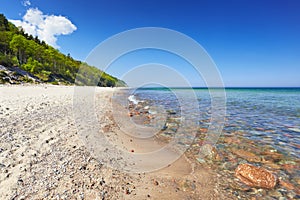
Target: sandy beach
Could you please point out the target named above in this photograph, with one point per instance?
(42, 156)
(141, 100)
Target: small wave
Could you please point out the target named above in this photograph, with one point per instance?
(133, 99)
(295, 129)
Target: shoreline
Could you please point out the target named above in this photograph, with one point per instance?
(42, 155)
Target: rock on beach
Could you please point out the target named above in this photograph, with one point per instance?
(255, 176)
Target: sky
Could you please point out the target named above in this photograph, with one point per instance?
(252, 43)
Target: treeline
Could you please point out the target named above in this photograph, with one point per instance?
(19, 49)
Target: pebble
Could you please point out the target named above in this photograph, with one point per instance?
(291, 195)
(282, 198)
(201, 160)
(171, 112)
(275, 194)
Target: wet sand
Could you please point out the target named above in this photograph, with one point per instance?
(43, 157)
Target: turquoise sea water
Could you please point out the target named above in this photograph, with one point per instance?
(268, 115)
(261, 127)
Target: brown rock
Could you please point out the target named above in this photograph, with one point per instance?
(238, 133)
(255, 176)
(210, 152)
(203, 130)
(273, 155)
(298, 180)
(273, 165)
(127, 191)
(251, 157)
(239, 186)
(296, 145)
(232, 140)
(289, 166)
(287, 185)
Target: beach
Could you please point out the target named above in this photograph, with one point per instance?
(42, 156)
(180, 100)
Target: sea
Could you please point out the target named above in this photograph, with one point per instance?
(267, 115)
(260, 126)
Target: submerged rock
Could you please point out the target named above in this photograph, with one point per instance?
(187, 185)
(232, 140)
(287, 185)
(255, 176)
(251, 157)
(171, 112)
(209, 152)
(271, 155)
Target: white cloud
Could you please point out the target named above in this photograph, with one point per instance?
(46, 27)
(34, 17)
(29, 28)
(26, 3)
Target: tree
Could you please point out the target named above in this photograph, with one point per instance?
(33, 66)
(5, 38)
(17, 44)
(18, 48)
(3, 23)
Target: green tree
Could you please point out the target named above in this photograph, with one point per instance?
(33, 66)
(3, 23)
(18, 48)
(17, 44)
(5, 38)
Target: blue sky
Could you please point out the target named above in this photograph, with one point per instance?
(253, 43)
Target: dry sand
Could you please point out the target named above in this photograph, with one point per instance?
(43, 157)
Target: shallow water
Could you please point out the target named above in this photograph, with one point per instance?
(263, 123)
(269, 115)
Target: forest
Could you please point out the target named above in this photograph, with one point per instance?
(20, 51)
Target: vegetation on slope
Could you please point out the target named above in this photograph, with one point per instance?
(43, 62)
